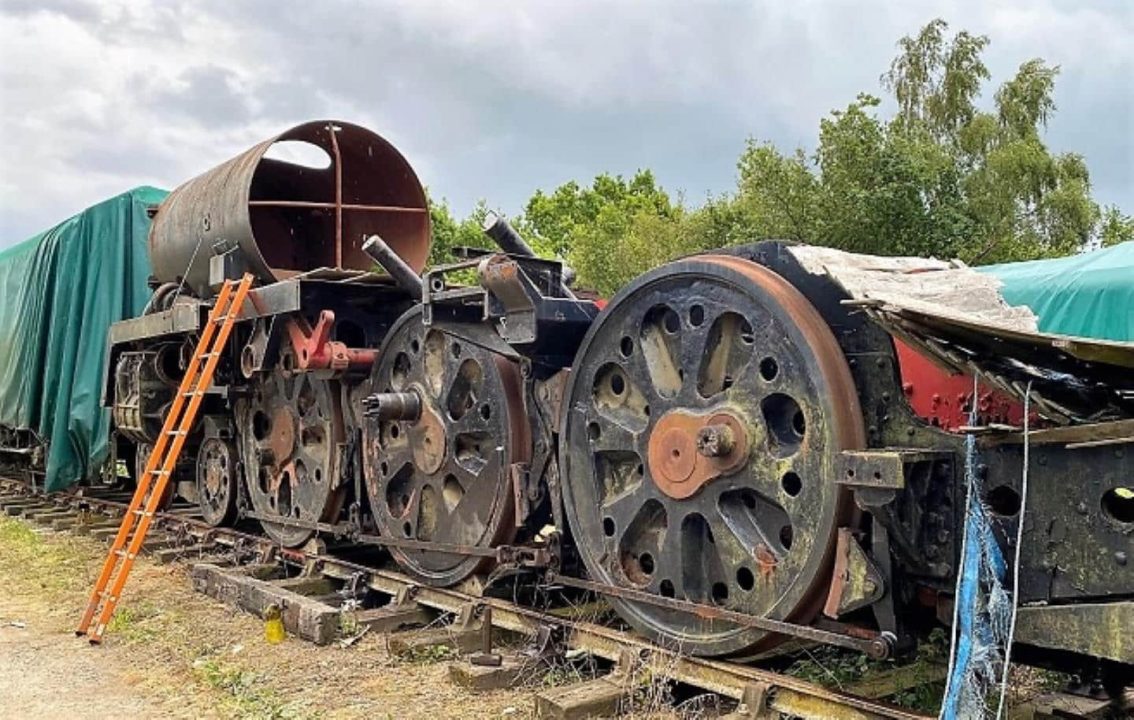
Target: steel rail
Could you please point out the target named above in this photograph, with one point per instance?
(877, 646)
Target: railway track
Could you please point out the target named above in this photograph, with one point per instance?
(231, 562)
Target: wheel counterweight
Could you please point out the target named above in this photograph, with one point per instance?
(705, 412)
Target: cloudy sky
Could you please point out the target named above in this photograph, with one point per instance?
(495, 99)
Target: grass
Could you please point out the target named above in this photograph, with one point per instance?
(56, 568)
(138, 622)
(831, 666)
(428, 654)
(246, 695)
(185, 655)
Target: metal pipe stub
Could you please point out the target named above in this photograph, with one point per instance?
(504, 235)
(404, 275)
(393, 406)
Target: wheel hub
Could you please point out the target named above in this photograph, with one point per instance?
(688, 450)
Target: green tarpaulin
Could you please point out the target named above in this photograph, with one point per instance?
(1088, 295)
(59, 293)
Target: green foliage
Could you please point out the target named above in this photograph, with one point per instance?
(248, 694)
(941, 177)
(428, 654)
(1115, 227)
(448, 233)
(137, 623)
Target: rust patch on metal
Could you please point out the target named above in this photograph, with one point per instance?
(678, 465)
(766, 560)
(428, 440)
(282, 439)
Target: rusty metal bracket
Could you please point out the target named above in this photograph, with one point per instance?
(315, 350)
(855, 581)
(883, 469)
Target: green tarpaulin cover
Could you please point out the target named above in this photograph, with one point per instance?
(59, 293)
(1088, 295)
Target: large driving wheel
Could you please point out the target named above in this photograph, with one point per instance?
(440, 473)
(705, 413)
(290, 426)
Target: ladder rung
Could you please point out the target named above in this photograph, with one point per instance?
(192, 393)
(159, 471)
(176, 432)
(143, 512)
(123, 553)
(222, 318)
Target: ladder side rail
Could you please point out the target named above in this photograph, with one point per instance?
(145, 489)
(195, 400)
(170, 460)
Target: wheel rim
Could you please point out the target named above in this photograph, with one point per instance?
(706, 409)
(291, 425)
(444, 478)
(216, 481)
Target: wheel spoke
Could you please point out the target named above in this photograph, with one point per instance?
(669, 559)
(623, 506)
(606, 435)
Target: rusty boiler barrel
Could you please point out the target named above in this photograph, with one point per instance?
(287, 217)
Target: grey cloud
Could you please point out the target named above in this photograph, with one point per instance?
(493, 100)
(209, 94)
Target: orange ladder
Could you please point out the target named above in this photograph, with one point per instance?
(163, 458)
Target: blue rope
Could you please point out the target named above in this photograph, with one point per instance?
(982, 609)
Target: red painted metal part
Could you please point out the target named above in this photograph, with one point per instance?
(315, 350)
(944, 400)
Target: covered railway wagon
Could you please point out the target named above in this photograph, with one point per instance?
(60, 291)
(740, 447)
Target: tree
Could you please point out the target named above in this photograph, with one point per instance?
(449, 234)
(1115, 227)
(941, 177)
(608, 232)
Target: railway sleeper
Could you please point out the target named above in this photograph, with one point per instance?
(433, 642)
(609, 695)
(47, 517)
(96, 523)
(307, 618)
(394, 616)
(27, 509)
(197, 552)
(513, 669)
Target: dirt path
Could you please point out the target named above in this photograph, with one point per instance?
(44, 674)
(173, 653)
